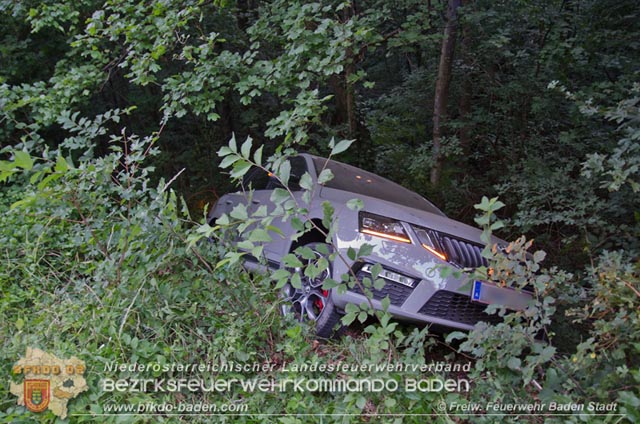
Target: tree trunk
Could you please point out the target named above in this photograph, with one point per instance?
(465, 112)
(350, 97)
(345, 101)
(442, 87)
(467, 90)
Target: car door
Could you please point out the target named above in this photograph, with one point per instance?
(255, 193)
(281, 242)
(256, 179)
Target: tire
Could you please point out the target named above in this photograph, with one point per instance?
(312, 302)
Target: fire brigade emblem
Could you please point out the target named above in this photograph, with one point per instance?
(36, 394)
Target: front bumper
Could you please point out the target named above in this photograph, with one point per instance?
(446, 303)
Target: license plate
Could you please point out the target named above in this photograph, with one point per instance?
(491, 294)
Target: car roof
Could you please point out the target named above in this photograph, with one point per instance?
(355, 180)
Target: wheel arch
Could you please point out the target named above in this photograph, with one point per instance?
(315, 235)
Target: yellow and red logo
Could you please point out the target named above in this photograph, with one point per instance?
(37, 394)
(49, 382)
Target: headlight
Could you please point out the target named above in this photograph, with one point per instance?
(429, 240)
(384, 227)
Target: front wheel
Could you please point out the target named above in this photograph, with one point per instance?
(311, 302)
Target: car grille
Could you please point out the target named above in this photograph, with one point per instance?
(457, 307)
(397, 293)
(463, 253)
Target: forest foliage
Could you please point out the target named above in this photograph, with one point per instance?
(113, 114)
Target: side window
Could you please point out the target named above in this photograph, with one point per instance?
(258, 179)
(298, 168)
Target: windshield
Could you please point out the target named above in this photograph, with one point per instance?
(355, 180)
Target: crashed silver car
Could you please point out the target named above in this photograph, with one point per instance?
(411, 238)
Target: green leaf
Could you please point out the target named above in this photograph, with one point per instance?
(297, 224)
(245, 245)
(280, 274)
(514, 363)
(325, 175)
(340, 147)
(281, 283)
(328, 211)
(351, 308)
(232, 144)
(23, 160)
(290, 260)
(483, 220)
(349, 318)
(296, 281)
(240, 168)
(323, 249)
(35, 177)
(496, 225)
(222, 263)
(257, 156)
(366, 282)
(223, 220)
(306, 182)
(385, 303)
(49, 178)
(275, 230)
(256, 252)
(259, 235)
(9, 166)
(26, 201)
(539, 256)
(228, 161)
(158, 51)
(306, 252)
(497, 205)
(261, 212)
(245, 150)
(355, 204)
(365, 250)
(239, 212)
(225, 151)
(547, 353)
(376, 270)
(284, 172)
(330, 283)
(456, 335)
(61, 165)
(279, 195)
